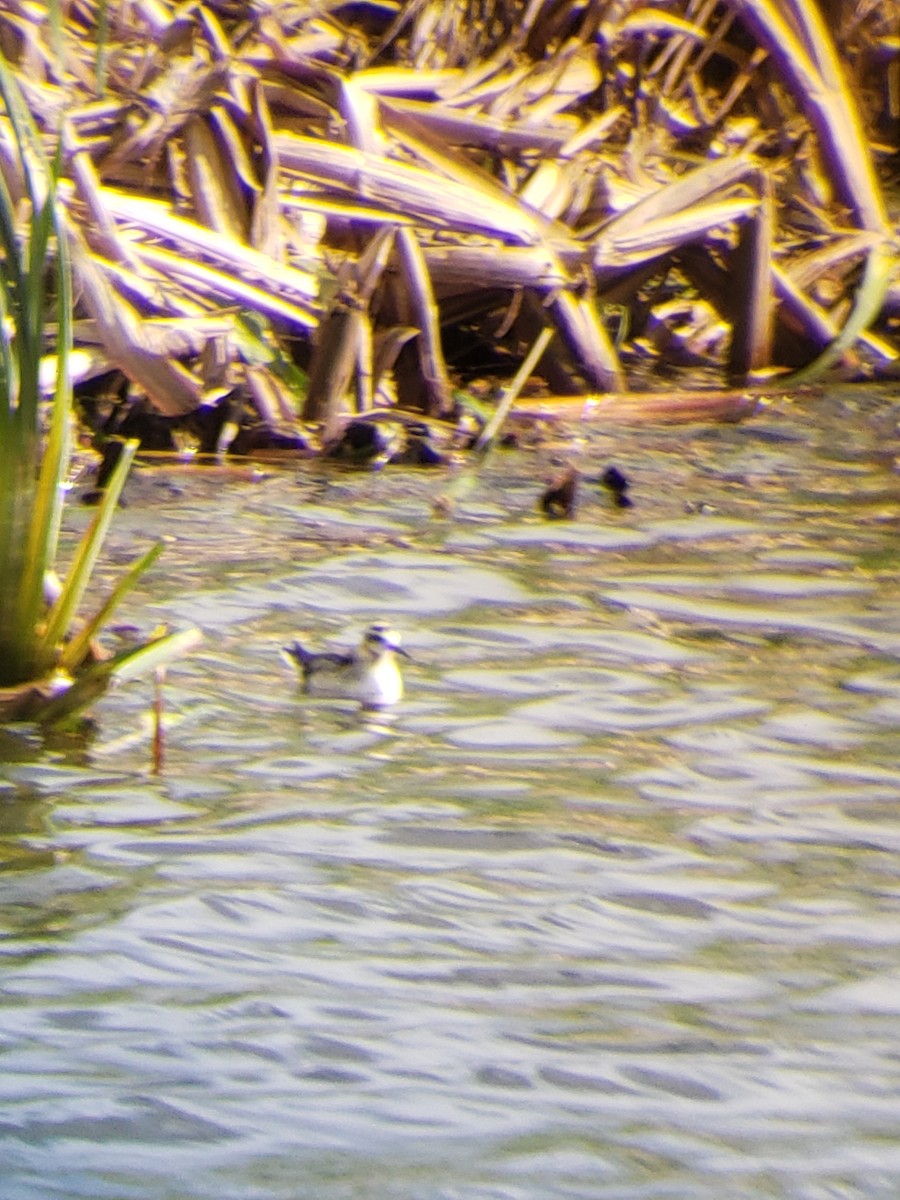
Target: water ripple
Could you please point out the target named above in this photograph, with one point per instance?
(606, 908)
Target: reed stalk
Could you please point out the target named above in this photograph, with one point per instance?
(48, 659)
(32, 476)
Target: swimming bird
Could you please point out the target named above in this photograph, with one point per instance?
(369, 674)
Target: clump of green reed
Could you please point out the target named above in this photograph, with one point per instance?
(41, 641)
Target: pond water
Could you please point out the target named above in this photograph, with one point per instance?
(609, 906)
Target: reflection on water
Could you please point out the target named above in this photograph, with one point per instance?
(607, 908)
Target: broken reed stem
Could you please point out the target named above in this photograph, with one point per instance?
(446, 501)
(488, 435)
(159, 736)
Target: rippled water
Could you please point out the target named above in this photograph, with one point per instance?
(608, 907)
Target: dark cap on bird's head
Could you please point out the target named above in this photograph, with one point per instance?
(380, 635)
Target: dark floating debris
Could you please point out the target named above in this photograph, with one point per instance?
(386, 438)
(364, 442)
(419, 450)
(617, 483)
(226, 424)
(561, 497)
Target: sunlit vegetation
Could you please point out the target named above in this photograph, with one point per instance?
(51, 664)
(288, 209)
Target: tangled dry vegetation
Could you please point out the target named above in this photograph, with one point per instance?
(301, 205)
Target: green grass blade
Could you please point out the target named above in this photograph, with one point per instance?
(12, 276)
(154, 654)
(31, 261)
(50, 492)
(132, 662)
(63, 611)
(75, 651)
(27, 525)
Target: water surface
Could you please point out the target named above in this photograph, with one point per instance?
(608, 907)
